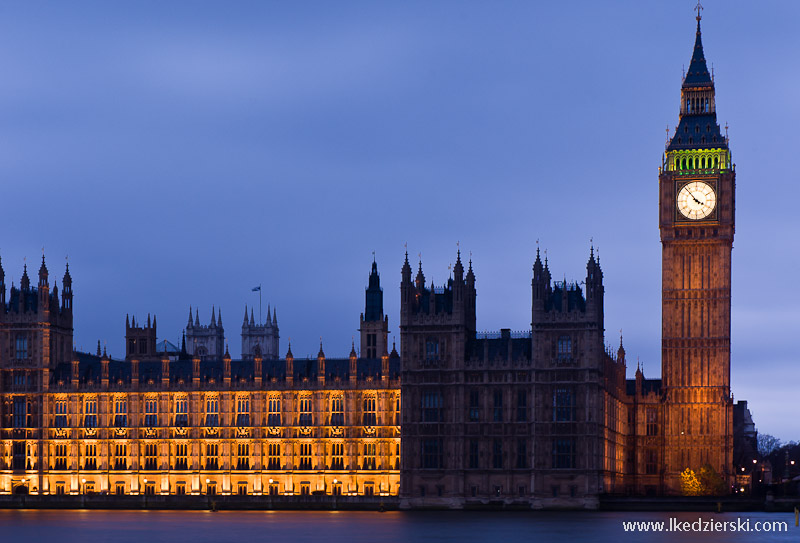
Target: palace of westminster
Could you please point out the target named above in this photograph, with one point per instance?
(542, 418)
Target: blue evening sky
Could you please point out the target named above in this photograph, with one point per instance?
(183, 152)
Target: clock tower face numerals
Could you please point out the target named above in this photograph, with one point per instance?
(696, 200)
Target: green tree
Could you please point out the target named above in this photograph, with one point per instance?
(711, 484)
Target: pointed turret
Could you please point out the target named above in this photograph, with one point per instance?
(25, 282)
(353, 350)
(373, 308)
(244, 322)
(66, 295)
(189, 324)
(621, 350)
(406, 271)
(458, 269)
(213, 323)
(274, 317)
(197, 317)
(252, 318)
(419, 280)
(219, 318)
(43, 274)
(269, 317)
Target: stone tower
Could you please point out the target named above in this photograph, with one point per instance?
(568, 355)
(374, 327)
(696, 220)
(206, 342)
(264, 337)
(436, 324)
(140, 341)
(35, 337)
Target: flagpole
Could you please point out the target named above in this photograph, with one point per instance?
(259, 304)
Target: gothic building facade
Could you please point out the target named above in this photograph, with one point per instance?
(545, 417)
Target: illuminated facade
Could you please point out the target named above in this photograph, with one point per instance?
(76, 423)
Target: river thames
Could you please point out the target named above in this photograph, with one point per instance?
(362, 527)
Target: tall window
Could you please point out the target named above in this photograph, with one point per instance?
(563, 453)
(432, 406)
(212, 411)
(522, 406)
(497, 411)
(212, 456)
(90, 456)
(61, 413)
(151, 456)
(337, 456)
(563, 405)
(397, 412)
(564, 348)
(473, 453)
(151, 412)
(274, 411)
(371, 346)
(243, 411)
(90, 413)
(650, 461)
(121, 412)
(243, 456)
(369, 455)
(21, 347)
(305, 456)
(274, 456)
(181, 456)
(369, 415)
(652, 421)
(432, 453)
(337, 411)
(522, 453)
(120, 456)
(497, 453)
(60, 456)
(305, 412)
(431, 350)
(474, 405)
(181, 411)
(20, 412)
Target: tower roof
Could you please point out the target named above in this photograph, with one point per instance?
(698, 75)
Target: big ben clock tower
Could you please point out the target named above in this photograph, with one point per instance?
(696, 219)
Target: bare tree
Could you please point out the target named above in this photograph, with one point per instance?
(768, 444)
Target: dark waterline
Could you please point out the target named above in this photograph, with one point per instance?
(358, 527)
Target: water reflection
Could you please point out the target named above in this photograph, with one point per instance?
(356, 527)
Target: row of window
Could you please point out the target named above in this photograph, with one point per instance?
(563, 406)
(563, 454)
(119, 488)
(241, 461)
(369, 415)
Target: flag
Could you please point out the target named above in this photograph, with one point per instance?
(257, 289)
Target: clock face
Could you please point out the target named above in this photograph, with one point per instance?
(696, 200)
